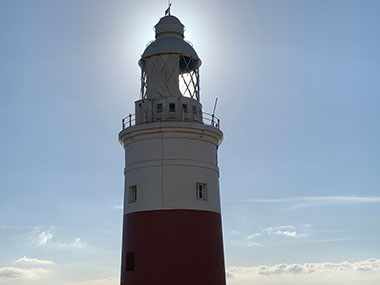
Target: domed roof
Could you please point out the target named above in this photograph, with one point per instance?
(169, 24)
(169, 39)
(169, 19)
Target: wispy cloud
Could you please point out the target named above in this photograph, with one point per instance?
(77, 243)
(33, 261)
(117, 207)
(106, 281)
(259, 239)
(307, 273)
(287, 231)
(43, 236)
(239, 239)
(317, 201)
(49, 238)
(244, 243)
(21, 273)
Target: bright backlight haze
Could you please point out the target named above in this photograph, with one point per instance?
(298, 97)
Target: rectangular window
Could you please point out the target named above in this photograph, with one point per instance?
(184, 108)
(201, 191)
(130, 266)
(195, 110)
(132, 194)
(171, 107)
(159, 108)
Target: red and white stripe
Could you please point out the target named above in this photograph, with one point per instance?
(176, 239)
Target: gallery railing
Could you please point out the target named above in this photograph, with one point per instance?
(208, 119)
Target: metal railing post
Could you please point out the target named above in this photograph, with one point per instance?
(212, 120)
(130, 120)
(122, 124)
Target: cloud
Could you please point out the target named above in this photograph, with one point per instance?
(43, 237)
(77, 243)
(20, 273)
(118, 207)
(245, 243)
(367, 271)
(34, 261)
(253, 236)
(288, 231)
(317, 201)
(236, 238)
(259, 239)
(48, 237)
(287, 227)
(107, 281)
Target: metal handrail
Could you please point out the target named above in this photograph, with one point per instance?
(128, 121)
(212, 119)
(208, 119)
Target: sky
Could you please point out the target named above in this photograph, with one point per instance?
(298, 88)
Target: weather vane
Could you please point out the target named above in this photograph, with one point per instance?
(167, 11)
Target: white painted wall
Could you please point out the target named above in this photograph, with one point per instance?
(166, 160)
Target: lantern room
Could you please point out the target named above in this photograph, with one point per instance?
(170, 82)
(169, 65)
(169, 77)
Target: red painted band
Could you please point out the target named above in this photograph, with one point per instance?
(173, 247)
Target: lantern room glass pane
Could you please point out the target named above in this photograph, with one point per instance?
(189, 77)
(168, 74)
(143, 79)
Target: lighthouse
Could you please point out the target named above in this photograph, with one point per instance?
(172, 230)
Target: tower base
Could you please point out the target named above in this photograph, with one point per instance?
(172, 247)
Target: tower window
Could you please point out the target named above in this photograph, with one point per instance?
(132, 197)
(130, 264)
(159, 108)
(195, 110)
(171, 107)
(201, 191)
(184, 108)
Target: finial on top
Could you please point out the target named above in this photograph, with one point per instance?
(167, 11)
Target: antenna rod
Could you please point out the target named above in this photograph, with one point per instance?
(167, 11)
(216, 101)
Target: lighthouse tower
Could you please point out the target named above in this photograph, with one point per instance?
(172, 233)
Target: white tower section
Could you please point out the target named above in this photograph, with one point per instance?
(166, 160)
